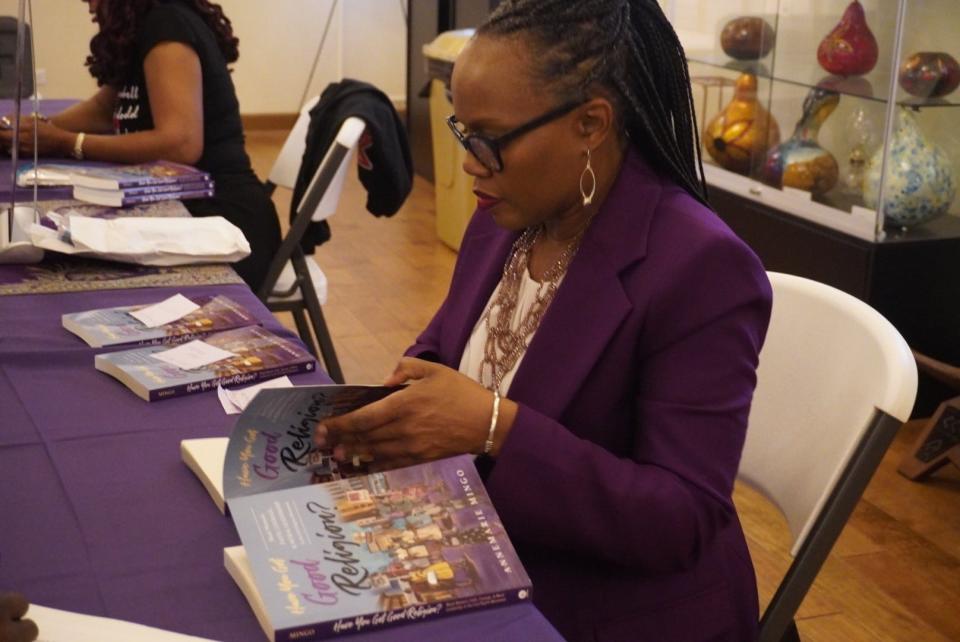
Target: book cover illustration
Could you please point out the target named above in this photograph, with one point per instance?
(260, 354)
(116, 326)
(124, 176)
(271, 445)
(379, 550)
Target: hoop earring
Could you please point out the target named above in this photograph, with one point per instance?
(588, 171)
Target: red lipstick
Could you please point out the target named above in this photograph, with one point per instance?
(485, 201)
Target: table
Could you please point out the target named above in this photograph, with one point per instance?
(97, 512)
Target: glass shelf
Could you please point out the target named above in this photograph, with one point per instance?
(875, 160)
(857, 86)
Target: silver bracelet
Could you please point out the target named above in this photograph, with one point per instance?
(488, 445)
(78, 146)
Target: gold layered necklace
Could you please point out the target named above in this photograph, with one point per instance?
(504, 344)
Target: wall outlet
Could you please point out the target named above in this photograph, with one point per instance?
(41, 76)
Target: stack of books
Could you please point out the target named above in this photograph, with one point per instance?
(125, 185)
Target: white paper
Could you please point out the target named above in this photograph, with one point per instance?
(192, 355)
(146, 240)
(228, 406)
(167, 311)
(65, 626)
(235, 401)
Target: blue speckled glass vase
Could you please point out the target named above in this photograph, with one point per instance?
(920, 182)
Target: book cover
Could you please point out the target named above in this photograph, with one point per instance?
(271, 445)
(260, 354)
(116, 326)
(374, 551)
(124, 176)
(145, 194)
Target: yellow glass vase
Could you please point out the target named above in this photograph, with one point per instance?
(739, 136)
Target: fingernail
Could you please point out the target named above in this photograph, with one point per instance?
(339, 453)
(320, 436)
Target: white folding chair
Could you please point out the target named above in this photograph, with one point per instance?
(293, 283)
(835, 382)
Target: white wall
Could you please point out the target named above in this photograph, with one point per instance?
(278, 42)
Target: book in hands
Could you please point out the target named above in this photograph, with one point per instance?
(271, 445)
(370, 552)
(257, 354)
(147, 194)
(115, 326)
(126, 176)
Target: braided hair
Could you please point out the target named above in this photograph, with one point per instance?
(113, 49)
(626, 49)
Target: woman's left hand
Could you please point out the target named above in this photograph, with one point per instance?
(51, 140)
(440, 414)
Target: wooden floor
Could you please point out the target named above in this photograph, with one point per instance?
(895, 572)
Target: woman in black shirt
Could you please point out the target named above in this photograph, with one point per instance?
(166, 90)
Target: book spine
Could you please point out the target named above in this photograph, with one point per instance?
(138, 199)
(372, 622)
(193, 186)
(244, 378)
(178, 338)
(178, 179)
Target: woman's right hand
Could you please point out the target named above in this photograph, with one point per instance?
(441, 413)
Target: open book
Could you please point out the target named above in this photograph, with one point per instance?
(322, 559)
(271, 445)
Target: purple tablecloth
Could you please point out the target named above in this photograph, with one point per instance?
(97, 512)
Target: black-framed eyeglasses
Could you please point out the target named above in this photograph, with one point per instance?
(487, 150)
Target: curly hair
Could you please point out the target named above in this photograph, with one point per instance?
(113, 49)
(626, 49)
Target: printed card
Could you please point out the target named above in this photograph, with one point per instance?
(193, 355)
(167, 311)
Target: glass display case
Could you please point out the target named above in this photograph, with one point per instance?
(842, 113)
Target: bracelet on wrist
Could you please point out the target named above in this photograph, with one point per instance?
(78, 146)
(488, 444)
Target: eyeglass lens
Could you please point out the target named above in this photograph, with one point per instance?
(484, 152)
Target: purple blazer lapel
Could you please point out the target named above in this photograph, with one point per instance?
(591, 302)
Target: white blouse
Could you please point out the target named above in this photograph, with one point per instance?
(470, 362)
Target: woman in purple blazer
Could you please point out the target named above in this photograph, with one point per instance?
(599, 341)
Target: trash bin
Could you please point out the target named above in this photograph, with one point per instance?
(453, 189)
